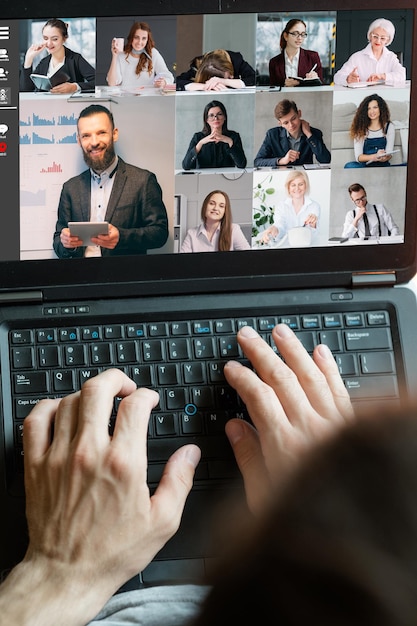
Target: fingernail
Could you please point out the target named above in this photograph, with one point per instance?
(324, 351)
(192, 454)
(235, 430)
(284, 331)
(248, 332)
(233, 364)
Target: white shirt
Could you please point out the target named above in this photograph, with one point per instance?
(196, 240)
(385, 221)
(101, 187)
(127, 77)
(366, 65)
(285, 217)
(291, 67)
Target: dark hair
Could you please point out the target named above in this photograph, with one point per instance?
(225, 238)
(93, 109)
(355, 187)
(59, 24)
(211, 105)
(339, 546)
(284, 107)
(289, 26)
(360, 123)
(145, 60)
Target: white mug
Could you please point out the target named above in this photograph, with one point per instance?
(119, 42)
(299, 237)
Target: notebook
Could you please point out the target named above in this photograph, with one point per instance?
(168, 317)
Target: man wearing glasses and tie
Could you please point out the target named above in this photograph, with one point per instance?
(365, 220)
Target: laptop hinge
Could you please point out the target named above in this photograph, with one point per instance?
(373, 279)
(17, 297)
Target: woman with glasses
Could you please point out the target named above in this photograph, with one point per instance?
(375, 63)
(215, 145)
(294, 64)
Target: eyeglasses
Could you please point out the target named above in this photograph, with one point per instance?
(359, 200)
(296, 34)
(215, 116)
(382, 39)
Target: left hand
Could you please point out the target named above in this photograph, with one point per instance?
(64, 88)
(293, 405)
(110, 240)
(92, 522)
(215, 83)
(306, 129)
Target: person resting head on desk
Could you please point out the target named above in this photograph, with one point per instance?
(293, 141)
(216, 71)
(77, 73)
(293, 60)
(139, 64)
(375, 62)
(215, 145)
(216, 231)
(373, 133)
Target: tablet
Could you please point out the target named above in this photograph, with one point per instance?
(86, 230)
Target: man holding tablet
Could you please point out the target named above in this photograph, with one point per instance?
(127, 197)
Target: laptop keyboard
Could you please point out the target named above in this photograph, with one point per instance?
(184, 361)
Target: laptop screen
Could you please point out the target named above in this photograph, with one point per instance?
(128, 152)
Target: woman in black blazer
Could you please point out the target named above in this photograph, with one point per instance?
(72, 72)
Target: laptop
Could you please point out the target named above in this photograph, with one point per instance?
(62, 320)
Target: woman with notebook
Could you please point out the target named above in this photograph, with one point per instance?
(375, 63)
(295, 65)
(67, 70)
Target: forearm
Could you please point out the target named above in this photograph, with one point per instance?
(43, 594)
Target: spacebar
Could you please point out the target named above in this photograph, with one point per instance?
(174, 570)
(211, 447)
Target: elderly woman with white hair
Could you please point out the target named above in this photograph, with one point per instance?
(375, 62)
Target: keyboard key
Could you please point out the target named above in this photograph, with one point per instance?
(48, 356)
(22, 358)
(31, 382)
(178, 349)
(353, 319)
(193, 373)
(142, 375)
(377, 363)
(332, 320)
(74, 355)
(372, 387)
(165, 425)
(368, 339)
(63, 381)
(377, 318)
(332, 340)
(21, 336)
(167, 374)
(152, 350)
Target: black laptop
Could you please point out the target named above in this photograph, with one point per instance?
(169, 318)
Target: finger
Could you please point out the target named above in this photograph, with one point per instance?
(168, 501)
(326, 363)
(96, 404)
(248, 453)
(131, 428)
(37, 431)
(309, 377)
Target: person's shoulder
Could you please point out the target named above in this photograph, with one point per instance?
(129, 170)
(70, 54)
(76, 180)
(277, 58)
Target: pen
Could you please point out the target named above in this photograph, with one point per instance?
(313, 68)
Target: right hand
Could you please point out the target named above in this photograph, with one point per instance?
(353, 77)
(68, 240)
(32, 52)
(293, 405)
(268, 234)
(290, 157)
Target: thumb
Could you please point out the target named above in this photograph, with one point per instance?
(247, 449)
(168, 501)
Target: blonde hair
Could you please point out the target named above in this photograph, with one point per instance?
(215, 63)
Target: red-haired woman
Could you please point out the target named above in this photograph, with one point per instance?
(139, 64)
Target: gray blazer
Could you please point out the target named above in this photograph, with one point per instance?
(135, 207)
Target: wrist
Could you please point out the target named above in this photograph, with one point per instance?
(39, 592)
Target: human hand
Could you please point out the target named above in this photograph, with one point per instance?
(108, 241)
(64, 88)
(353, 77)
(306, 128)
(311, 220)
(68, 240)
(290, 157)
(374, 77)
(268, 234)
(293, 405)
(291, 82)
(32, 51)
(159, 81)
(382, 156)
(311, 75)
(92, 522)
(215, 83)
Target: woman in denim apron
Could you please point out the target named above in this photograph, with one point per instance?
(373, 133)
